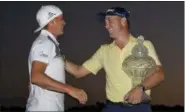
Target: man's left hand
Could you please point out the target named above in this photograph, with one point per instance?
(134, 96)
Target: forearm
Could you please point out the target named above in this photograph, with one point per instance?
(75, 70)
(46, 82)
(72, 68)
(154, 79)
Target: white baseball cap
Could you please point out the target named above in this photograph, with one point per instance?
(46, 14)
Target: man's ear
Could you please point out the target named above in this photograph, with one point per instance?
(123, 21)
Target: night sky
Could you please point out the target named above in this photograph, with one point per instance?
(160, 22)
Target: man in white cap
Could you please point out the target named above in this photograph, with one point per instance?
(46, 65)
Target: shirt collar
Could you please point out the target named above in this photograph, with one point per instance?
(45, 32)
(132, 39)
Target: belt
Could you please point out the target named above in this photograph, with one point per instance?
(124, 104)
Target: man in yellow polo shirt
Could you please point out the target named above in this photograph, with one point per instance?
(121, 97)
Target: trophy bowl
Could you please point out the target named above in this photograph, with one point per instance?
(138, 68)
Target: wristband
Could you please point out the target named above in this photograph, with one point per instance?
(67, 90)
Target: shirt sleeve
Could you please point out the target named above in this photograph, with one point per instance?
(42, 52)
(95, 63)
(152, 52)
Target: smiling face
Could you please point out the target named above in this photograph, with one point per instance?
(115, 25)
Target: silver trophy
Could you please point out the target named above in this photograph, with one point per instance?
(139, 64)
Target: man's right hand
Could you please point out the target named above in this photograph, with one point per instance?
(78, 94)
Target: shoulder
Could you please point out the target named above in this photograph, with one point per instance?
(104, 47)
(148, 43)
(43, 43)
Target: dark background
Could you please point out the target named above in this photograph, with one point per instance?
(160, 22)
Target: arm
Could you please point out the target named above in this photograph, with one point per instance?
(158, 76)
(75, 70)
(38, 77)
(92, 65)
(154, 79)
(136, 94)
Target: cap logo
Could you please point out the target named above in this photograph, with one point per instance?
(110, 10)
(50, 14)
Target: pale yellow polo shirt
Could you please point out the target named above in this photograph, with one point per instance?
(110, 57)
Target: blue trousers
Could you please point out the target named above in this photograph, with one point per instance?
(109, 107)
